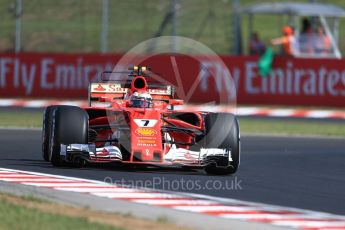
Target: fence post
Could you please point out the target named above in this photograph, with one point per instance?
(105, 26)
(173, 9)
(18, 14)
(236, 25)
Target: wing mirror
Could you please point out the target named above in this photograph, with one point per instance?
(176, 102)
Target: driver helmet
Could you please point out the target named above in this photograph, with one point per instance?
(141, 100)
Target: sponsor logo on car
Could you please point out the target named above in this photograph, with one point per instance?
(147, 143)
(107, 88)
(153, 141)
(148, 132)
(99, 88)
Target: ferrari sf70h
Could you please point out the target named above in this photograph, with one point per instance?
(134, 121)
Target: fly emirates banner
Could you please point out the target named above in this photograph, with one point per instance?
(312, 82)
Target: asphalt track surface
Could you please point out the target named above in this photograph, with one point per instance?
(306, 173)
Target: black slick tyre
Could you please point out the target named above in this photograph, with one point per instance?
(222, 131)
(46, 130)
(70, 125)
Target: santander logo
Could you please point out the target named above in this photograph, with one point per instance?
(99, 88)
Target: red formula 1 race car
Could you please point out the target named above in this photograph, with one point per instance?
(133, 121)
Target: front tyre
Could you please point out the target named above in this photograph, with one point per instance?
(46, 130)
(70, 125)
(222, 131)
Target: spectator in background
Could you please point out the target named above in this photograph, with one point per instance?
(305, 39)
(321, 42)
(287, 41)
(256, 46)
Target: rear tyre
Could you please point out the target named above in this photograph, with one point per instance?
(222, 131)
(46, 130)
(70, 125)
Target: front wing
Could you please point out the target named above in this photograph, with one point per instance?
(175, 156)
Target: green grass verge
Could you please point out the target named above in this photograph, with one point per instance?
(13, 216)
(26, 119)
(291, 127)
(248, 125)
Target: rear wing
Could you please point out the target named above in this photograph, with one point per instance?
(107, 90)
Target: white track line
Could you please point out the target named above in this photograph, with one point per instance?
(33, 180)
(134, 195)
(309, 224)
(61, 185)
(220, 208)
(175, 202)
(99, 190)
